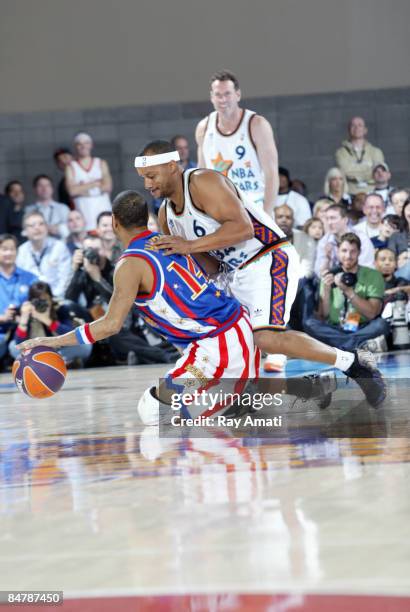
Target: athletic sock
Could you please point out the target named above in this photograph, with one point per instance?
(344, 359)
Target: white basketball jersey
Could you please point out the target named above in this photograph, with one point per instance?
(235, 155)
(193, 223)
(96, 201)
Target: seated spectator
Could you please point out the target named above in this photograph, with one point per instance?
(14, 286)
(397, 199)
(357, 157)
(319, 210)
(111, 248)
(92, 283)
(88, 181)
(63, 157)
(181, 144)
(351, 299)
(373, 214)
(300, 187)
(44, 256)
(5, 214)
(327, 248)
(314, 228)
(76, 227)
(355, 211)
(55, 214)
(304, 245)
(299, 204)
(335, 187)
(390, 225)
(15, 193)
(403, 261)
(381, 177)
(386, 264)
(42, 316)
(400, 241)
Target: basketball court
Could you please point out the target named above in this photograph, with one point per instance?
(95, 505)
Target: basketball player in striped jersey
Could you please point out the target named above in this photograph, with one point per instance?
(238, 143)
(204, 212)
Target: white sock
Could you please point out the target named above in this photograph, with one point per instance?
(344, 359)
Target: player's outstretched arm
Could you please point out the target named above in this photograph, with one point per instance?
(262, 136)
(216, 197)
(127, 279)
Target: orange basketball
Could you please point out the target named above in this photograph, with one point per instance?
(39, 372)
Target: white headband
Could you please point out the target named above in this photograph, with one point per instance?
(156, 160)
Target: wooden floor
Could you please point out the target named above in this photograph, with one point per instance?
(315, 519)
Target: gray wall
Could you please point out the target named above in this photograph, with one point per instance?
(308, 129)
(81, 54)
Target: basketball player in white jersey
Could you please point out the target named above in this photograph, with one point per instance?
(88, 181)
(204, 213)
(238, 143)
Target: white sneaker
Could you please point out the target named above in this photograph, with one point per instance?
(275, 363)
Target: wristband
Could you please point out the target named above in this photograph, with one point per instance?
(83, 334)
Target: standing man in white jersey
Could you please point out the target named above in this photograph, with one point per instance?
(88, 181)
(207, 214)
(238, 143)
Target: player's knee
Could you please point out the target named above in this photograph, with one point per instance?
(269, 341)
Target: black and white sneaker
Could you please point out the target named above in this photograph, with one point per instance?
(364, 371)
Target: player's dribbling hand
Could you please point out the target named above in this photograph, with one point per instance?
(33, 342)
(173, 245)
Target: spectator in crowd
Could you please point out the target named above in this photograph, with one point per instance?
(335, 187)
(55, 214)
(15, 193)
(403, 261)
(5, 214)
(300, 187)
(88, 181)
(355, 211)
(381, 178)
(400, 241)
(327, 248)
(304, 245)
(44, 256)
(386, 264)
(42, 316)
(181, 144)
(14, 286)
(351, 299)
(314, 228)
(63, 158)
(356, 157)
(111, 248)
(373, 214)
(76, 228)
(299, 204)
(92, 281)
(390, 225)
(397, 199)
(319, 211)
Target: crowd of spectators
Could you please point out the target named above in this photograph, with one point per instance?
(58, 253)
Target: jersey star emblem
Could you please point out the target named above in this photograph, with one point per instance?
(222, 165)
(217, 293)
(176, 286)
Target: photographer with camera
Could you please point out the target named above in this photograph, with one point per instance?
(351, 300)
(14, 286)
(41, 314)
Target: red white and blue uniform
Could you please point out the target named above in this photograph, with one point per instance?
(191, 312)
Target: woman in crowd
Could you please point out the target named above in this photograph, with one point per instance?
(319, 211)
(400, 241)
(335, 187)
(41, 316)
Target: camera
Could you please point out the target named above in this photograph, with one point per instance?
(348, 278)
(40, 304)
(400, 330)
(92, 256)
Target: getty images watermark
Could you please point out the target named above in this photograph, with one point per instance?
(212, 409)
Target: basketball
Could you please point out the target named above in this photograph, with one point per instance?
(39, 372)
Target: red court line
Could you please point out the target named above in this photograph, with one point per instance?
(231, 602)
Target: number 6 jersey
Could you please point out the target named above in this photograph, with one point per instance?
(234, 155)
(192, 223)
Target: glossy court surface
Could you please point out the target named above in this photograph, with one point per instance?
(315, 518)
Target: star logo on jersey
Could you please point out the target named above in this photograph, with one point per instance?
(222, 165)
(217, 293)
(176, 286)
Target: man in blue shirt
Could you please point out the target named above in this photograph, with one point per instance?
(14, 286)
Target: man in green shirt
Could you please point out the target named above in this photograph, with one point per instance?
(351, 301)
